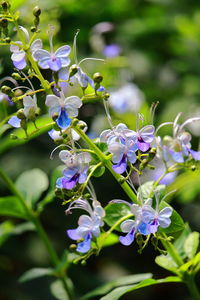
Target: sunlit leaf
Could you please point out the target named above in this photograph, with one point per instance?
(35, 273)
(114, 212)
(191, 244)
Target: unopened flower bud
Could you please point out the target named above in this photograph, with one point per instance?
(152, 153)
(5, 5)
(72, 247)
(106, 96)
(83, 262)
(6, 90)
(36, 11)
(36, 21)
(97, 77)
(80, 240)
(75, 122)
(23, 124)
(16, 76)
(18, 93)
(73, 70)
(154, 241)
(33, 29)
(20, 114)
(193, 168)
(139, 239)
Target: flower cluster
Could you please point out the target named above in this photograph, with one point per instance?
(123, 144)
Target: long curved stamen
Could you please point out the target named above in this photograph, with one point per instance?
(153, 110)
(162, 125)
(62, 145)
(176, 126)
(174, 191)
(25, 31)
(188, 122)
(92, 59)
(31, 85)
(8, 78)
(108, 114)
(81, 204)
(92, 190)
(50, 33)
(121, 201)
(74, 46)
(22, 87)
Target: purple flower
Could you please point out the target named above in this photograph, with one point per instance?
(84, 80)
(64, 107)
(122, 153)
(118, 133)
(145, 137)
(112, 50)
(89, 226)
(19, 55)
(57, 135)
(178, 147)
(53, 60)
(76, 169)
(152, 219)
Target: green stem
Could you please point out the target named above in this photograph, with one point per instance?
(194, 292)
(171, 250)
(108, 164)
(39, 228)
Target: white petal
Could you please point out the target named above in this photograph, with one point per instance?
(64, 155)
(37, 44)
(84, 158)
(127, 225)
(63, 51)
(52, 100)
(41, 54)
(85, 221)
(73, 101)
(28, 101)
(17, 56)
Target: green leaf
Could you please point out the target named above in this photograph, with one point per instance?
(147, 188)
(167, 263)
(191, 244)
(114, 212)
(35, 273)
(11, 206)
(179, 242)
(120, 291)
(8, 228)
(99, 171)
(177, 223)
(32, 184)
(106, 240)
(58, 290)
(105, 288)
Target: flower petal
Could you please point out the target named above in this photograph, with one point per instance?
(127, 239)
(73, 234)
(127, 225)
(84, 246)
(63, 120)
(52, 100)
(15, 122)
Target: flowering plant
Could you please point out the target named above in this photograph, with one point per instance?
(126, 153)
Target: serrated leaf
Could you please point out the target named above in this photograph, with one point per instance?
(32, 184)
(120, 291)
(167, 263)
(105, 288)
(12, 207)
(114, 212)
(35, 273)
(191, 244)
(177, 223)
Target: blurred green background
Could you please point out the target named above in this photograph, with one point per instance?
(159, 43)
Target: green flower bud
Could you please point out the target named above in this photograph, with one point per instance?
(20, 114)
(73, 70)
(33, 29)
(193, 168)
(23, 124)
(75, 121)
(16, 76)
(6, 90)
(139, 239)
(18, 93)
(36, 11)
(83, 262)
(97, 77)
(72, 247)
(5, 5)
(106, 96)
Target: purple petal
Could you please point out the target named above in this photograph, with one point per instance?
(177, 156)
(63, 120)
(84, 246)
(54, 64)
(143, 228)
(143, 146)
(73, 234)
(112, 50)
(15, 122)
(121, 166)
(70, 184)
(127, 239)
(82, 177)
(153, 226)
(20, 64)
(195, 154)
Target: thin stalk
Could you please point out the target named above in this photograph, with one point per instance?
(108, 164)
(39, 228)
(171, 250)
(194, 292)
